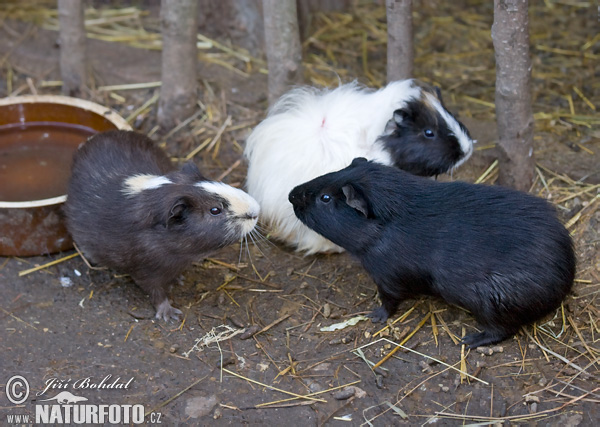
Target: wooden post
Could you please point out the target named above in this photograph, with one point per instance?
(400, 49)
(282, 45)
(73, 60)
(307, 8)
(514, 117)
(178, 93)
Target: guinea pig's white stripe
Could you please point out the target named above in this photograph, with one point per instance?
(138, 183)
(466, 143)
(240, 202)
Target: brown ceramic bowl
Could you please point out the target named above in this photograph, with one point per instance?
(38, 135)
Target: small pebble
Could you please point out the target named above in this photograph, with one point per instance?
(485, 350)
(445, 389)
(399, 334)
(530, 398)
(226, 362)
(381, 372)
(236, 322)
(533, 408)
(498, 349)
(174, 348)
(345, 393)
(326, 310)
(456, 381)
(379, 381)
(66, 282)
(315, 387)
(249, 332)
(218, 413)
(425, 366)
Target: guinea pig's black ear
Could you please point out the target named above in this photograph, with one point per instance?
(355, 200)
(400, 116)
(190, 168)
(358, 161)
(178, 212)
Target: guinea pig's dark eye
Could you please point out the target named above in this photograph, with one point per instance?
(428, 133)
(325, 198)
(215, 211)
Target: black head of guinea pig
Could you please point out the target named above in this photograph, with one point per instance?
(424, 138)
(499, 253)
(130, 209)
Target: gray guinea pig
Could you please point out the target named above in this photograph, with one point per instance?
(497, 252)
(128, 208)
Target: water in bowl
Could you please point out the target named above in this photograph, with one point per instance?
(35, 159)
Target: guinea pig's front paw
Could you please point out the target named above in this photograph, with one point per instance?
(166, 311)
(379, 315)
(481, 339)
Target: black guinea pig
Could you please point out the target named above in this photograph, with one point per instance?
(310, 132)
(497, 252)
(130, 209)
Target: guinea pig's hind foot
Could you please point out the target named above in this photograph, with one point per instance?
(166, 311)
(379, 315)
(484, 338)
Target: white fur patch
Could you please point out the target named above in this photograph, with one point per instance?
(466, 143)
(311, 132)
(137, 183)
(244, 209)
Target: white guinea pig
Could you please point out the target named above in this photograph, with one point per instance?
(311, 132)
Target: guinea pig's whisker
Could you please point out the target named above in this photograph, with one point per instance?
(262, 228)
(262, 231)
(242, 240)
(254, 241)
(257, 239)
(248, 249)
(261, 238)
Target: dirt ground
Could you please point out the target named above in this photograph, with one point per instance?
(68, 322)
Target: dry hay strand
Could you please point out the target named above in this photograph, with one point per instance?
(214, 336)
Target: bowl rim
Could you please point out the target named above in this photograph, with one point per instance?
(103, 111)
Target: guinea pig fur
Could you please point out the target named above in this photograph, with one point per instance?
(497, 252)
(130, 209)
(310, 132)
